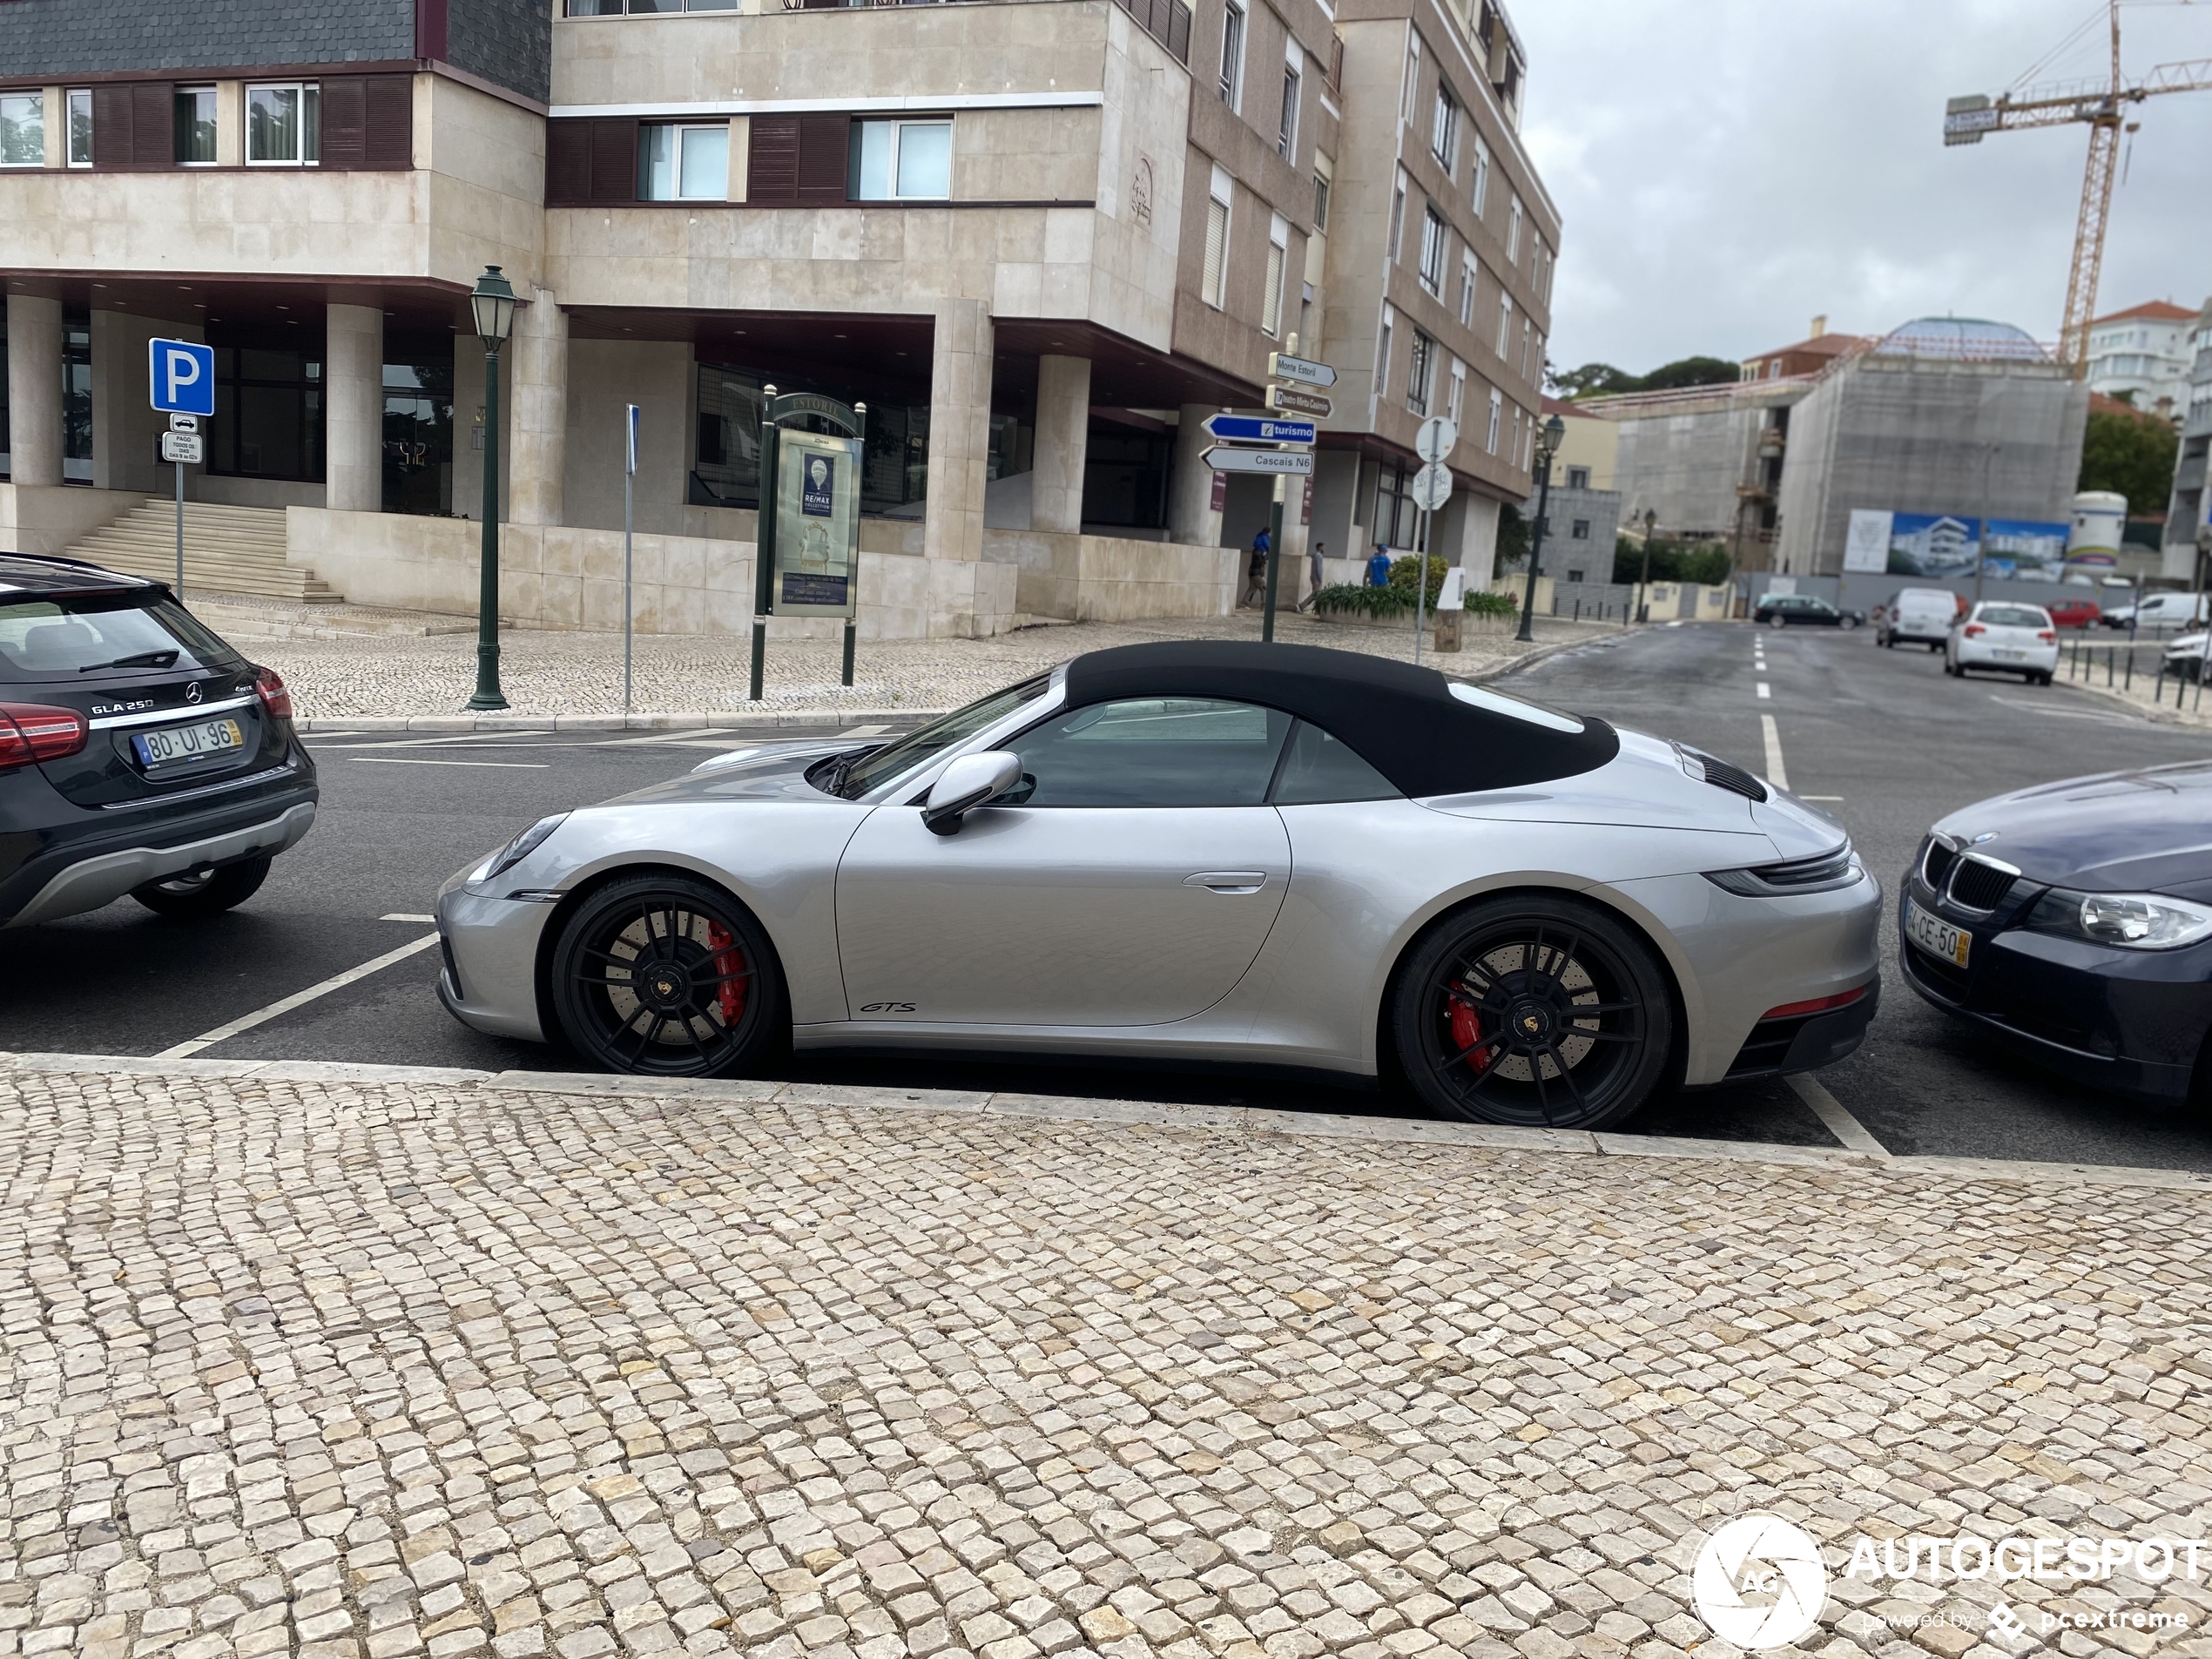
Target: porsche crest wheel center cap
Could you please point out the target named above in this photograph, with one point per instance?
(1529, 1023)
(666, 988)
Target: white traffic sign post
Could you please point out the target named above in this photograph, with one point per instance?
(1432, 488)
(628, 489)
(180, 383)
(1435, 440)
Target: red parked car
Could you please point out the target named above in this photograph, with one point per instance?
(2075, 613)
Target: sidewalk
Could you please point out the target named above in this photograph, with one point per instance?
(381, 1361)
(335, 675)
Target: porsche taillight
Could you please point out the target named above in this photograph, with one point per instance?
(33, 731)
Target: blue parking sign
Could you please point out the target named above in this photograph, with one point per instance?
(181, 376)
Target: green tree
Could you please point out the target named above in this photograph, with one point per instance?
(1592, 380)
(1691, 371)
(1512, 536)
(2133, 455)
(1705, 562)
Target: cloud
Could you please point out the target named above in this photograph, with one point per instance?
(1727, 169)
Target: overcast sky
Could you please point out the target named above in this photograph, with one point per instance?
(1727, 169)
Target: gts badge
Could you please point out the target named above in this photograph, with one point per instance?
(888, 1008)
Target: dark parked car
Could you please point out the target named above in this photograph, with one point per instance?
(2073, 922)
(1794, 610)
(138, 753)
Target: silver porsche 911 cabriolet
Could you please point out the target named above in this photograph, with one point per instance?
(1207, 851)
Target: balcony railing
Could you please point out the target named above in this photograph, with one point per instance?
(1166, 21)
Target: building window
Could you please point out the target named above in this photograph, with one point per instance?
(1287, 137)
(1578, 477)
(1413, 77)
(1505, 324)
(1527, 336)
(1466, 290)
(268, 415)
(1232, 55)
(1579, 530)
(418, 433)
(1397, 217)
(1382, 353)
(1393, 507)
(1497, 413)
(283, 125)
(1513, 233)
(194, 115)
(896, 161)
(79, 100)
(684, 163)
(1419, 373)
(1279, 241)
(1320, 203)
(22, 128)
(1213, 282)
(1443, 130)
(1481, 175)
(1436, 241)
(77, 396)
(615, 8)
(1458, 405)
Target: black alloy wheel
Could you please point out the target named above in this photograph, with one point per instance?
(191, 898)
(668, 976)
(1540, 1012)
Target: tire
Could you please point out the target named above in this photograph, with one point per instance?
(1490, 1007)
(1778, 621)
(1848, 624)
(710, 1002)
(1935, 644)
(185, 897)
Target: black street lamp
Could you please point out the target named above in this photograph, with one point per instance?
(1547, 442)
(493, 301)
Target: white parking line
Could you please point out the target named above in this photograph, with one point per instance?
(398, 760)
(1777, 774)
(402, 916)
(1765, 690)
(1831, 1111)
(298, 999)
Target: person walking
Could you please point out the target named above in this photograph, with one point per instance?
(1314, 556)
(1256, 569)
(1378, 566)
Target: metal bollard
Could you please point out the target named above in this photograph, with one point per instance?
(2127, 675)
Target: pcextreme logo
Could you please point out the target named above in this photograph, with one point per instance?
(1759, 1582)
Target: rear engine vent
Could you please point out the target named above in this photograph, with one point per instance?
(1721, 775)
(1935, 863)
(1979, 887)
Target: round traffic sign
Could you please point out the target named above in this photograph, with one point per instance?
(1431, 487)
(1434, 441)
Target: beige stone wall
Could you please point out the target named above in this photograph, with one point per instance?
(1101, 578)
(37, 518)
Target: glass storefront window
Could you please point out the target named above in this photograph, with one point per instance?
(76, 398)
(418, 437)
(725, 465)
(268, 413)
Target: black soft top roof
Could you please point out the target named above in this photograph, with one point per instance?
(31, 574)
(1402, 720)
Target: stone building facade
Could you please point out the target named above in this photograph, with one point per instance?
(1040, 240)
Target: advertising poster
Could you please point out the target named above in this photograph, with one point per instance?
(1937, 544)
(818, 525)
(2025, 547)
(1866, 544)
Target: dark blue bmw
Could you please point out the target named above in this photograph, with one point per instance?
(2073, 922)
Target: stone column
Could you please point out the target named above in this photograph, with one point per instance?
(1064, 433)
(537, 366)
(960, 430)
(353, 409)
(35, 389)
(1193, 520)
(1478, 540)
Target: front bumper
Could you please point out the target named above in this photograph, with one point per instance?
(490, 947)
(2131, 1021)
(70, 881)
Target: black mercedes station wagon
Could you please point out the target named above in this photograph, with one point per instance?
(138, 753)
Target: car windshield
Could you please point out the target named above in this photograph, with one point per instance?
(917, 748)
(2015, 617)
(73, 636)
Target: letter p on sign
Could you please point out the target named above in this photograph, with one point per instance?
(181, 376)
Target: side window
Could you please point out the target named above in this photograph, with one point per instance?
(1152, 752)
(1320, 768)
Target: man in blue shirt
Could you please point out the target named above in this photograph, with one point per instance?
(1378, 566)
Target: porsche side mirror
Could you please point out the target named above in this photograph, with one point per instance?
(969, 782)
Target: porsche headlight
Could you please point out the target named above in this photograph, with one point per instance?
(2131, 921)
(1823, 872)
(521, 847)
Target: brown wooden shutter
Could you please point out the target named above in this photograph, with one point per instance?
(567, 163)
(390, 144)
(345, 121)
(112, 145)
(153, 124)
(822, 140)
(614, 161)
(771, 159)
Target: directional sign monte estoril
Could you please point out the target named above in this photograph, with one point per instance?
(1282, 366)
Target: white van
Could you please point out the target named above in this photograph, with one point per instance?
(2160, 610)
(1919, 616)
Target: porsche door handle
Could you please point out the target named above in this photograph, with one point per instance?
(1228, 881)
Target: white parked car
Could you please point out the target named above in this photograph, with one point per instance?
(2160, 610)
(1918, 616)
(2007, 636)
(2185, 656)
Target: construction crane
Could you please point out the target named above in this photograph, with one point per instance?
(2103, 104)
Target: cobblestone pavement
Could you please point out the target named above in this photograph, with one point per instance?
(454, 1365)
(550, 673)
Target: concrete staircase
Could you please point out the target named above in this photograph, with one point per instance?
(228, 550)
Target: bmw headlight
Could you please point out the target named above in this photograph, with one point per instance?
(2131, 921)
(522, 846)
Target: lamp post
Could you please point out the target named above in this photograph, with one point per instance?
(1548, 442)
(1644, 586)
(493, 302)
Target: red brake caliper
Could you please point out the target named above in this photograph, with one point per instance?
(728, 960)
(1467, 1031)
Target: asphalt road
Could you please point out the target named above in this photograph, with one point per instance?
(1884, 733)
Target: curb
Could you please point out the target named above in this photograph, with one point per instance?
(715, 720)
(1247, 1120)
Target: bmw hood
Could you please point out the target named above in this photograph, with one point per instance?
(2147, 832)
